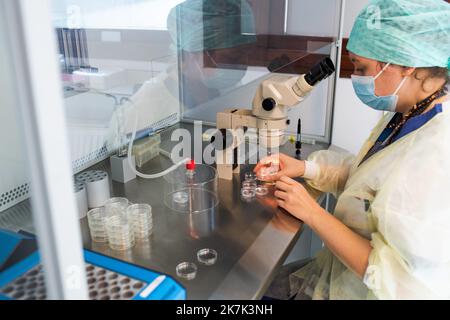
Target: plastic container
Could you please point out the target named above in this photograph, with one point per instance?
(146, 149)
(97, 186)
(208, 257)
(249, 184)
(140, 218)
(186, 270)
(120, 233)
(81, 199)
(270, 169)
(191, 191)
(97, 224)
(116, 206)
(248, 193)
(261, 190)
(250, 176)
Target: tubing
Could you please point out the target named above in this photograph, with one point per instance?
(133, 165)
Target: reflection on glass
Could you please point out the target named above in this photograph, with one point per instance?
(112, 14)
(163, 61)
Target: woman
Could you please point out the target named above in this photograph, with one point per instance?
(389, 237)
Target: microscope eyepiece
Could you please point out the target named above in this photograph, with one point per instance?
(320, 71)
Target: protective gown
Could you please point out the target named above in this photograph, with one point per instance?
(399, 199)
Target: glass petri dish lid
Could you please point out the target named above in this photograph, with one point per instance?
(208, 257)
(186, 270)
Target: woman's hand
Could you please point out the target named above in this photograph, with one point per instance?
(294, 198)
(289, 167)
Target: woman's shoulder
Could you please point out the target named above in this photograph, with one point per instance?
(445, 106)
(439, 125)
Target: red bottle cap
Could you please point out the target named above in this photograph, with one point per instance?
(190, 165)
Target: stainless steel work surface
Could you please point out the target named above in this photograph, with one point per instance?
(252, 239)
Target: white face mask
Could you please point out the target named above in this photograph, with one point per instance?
(365, 90)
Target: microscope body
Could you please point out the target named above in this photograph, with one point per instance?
(269, 115)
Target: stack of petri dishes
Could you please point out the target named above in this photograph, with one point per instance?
(120, 223)
(120, 233)
(116, 206)
(140, 219)
(250, 187)
(97, 224)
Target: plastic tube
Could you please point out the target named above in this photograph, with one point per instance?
(133, 165)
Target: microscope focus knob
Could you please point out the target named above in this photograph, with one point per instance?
(269, 104)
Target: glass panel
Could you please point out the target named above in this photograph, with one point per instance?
(15, 210)
(280, 37)
(16, 220)
(112, 14)
(156, 62)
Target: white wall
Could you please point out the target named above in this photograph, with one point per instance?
(13, 165)
(303, 17)
(353, 120)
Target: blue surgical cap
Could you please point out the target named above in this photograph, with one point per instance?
(412, 33)
(197, 25)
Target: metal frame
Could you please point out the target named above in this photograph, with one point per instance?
(33, 48)
(286, 10)
(338, 55)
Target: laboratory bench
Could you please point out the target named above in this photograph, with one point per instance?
(252, 239)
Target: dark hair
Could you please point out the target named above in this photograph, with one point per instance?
(436, 72)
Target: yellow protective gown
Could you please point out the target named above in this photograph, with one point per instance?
(400, 200)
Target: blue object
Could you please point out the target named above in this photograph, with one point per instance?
(158, 286)
(410, 126)
(9, 241)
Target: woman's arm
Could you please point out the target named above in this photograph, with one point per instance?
(352, 249)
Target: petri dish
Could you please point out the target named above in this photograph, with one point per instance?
(180, 197)
(248, 193)
(116, 205)
(140, 217)
(208, 257)
(186, 270)
(249, 184)
(250, 176)
(261, 190)
(97, 224)
(270, 168)
(119, 232)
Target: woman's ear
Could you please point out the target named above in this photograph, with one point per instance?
(408, 71)
(428, 83)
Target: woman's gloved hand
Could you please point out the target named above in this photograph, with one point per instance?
(293, 197)
(288, 166)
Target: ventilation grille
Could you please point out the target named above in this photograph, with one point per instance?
(90, 159)
(14, 196)
(22, 192)
(18, 217)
